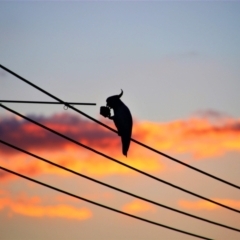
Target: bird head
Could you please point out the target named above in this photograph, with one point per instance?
(114, 101)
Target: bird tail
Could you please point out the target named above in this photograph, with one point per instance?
(125, 144)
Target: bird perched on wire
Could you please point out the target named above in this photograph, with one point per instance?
(122, 119)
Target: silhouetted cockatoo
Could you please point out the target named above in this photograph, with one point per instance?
(122, 119)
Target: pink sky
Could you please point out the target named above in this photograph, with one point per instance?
(199, 139)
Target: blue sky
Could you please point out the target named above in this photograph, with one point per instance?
(170, 58)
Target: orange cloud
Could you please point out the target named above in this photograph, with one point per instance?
(89, 164)
(30, 206)
(137, 206)
(79, 160)
(32, 137)
(204, 205)
(200, 137)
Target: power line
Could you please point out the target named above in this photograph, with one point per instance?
(103, 206)
(44, 102)
(115, 188)
(104, 125)
(119, 162)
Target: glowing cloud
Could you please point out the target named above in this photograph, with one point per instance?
(208, 136)
(200, 137)
(30, 206)
(204, 205)
(137, 206)
(86, 164)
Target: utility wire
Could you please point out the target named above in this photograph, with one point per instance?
(44, 102)
(119, 162)
(115, 188)
(104, 125)
(103, 206)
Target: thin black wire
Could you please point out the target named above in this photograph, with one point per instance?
(104, 125)
(44, 102)
(119, 162)
(103, 206)
(115, 188)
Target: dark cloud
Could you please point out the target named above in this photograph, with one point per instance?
(211, 114)
(224, 128)
(29, 136)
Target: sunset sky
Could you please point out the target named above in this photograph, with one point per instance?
(178, 64)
